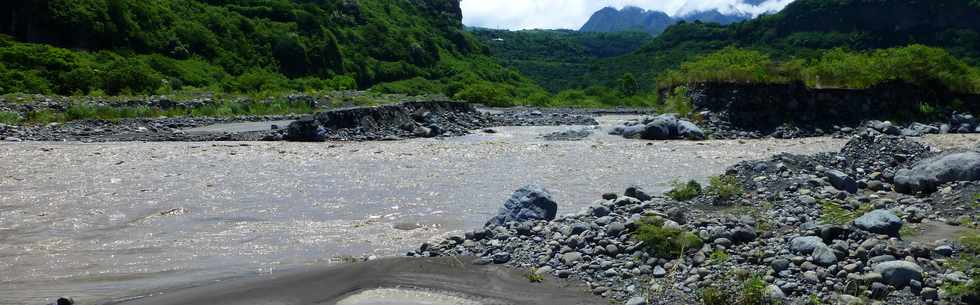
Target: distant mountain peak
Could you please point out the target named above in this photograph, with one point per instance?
(632, 18)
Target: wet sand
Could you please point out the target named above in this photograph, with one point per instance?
(403, 281)
(103, 221)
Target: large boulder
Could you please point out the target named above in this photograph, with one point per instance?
(842, 181)
(806, 244)
(899, 273)
(880, 222)
(662, 127)
(927, 175)
(306, 130)
(528, 203)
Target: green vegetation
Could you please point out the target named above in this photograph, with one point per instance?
(836, 214)
(751, 290)
(83, 111)
(684, 191)
(533, 276)
(838, 68)
(714, 296)
(718, 257)
(724, 187)
(554, 58)
(969, 263)
(157, 47)
(664, 241)
(805, 30)
(9, 118)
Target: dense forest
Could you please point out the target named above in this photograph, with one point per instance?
(145, 47)
(544, 55)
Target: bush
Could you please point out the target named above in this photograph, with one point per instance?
(684, 191)
(665, 242)
(754, 291)
(128, 75)
(486, 94)
(724, 187)
(9, 118)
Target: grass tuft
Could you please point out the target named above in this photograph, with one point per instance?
(833, 213)
(684, 191)
(663, 241)
(724, 187)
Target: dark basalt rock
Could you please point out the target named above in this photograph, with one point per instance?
(768, 106)
(405, 120)
(528, 203)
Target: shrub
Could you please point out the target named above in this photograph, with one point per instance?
(684, 191)
(129, 75)
(663, 241)
(486, 94)
(724, 187)
(9, 118)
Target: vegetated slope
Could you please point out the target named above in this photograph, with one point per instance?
(117, 46)
(806, 28)
(550, 57)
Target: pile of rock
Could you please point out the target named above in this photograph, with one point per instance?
(405, 120)
(569, 134)
(662, 127)
(958, 123)
(782, 229)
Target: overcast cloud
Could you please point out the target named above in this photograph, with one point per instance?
(572, 14)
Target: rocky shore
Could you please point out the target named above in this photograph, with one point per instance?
(793, 229)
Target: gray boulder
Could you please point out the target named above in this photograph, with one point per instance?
(528, 203)
(662, 127)
(570, 134)
(899, 273)
(885, 127)
(927, 175)
(806, 244)
(880, 222)
(842, 181)
(824, 256)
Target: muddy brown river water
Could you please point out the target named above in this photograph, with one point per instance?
(110, 220)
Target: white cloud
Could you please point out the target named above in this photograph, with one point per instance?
(572, 14)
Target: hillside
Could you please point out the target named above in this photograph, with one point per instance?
(549, 56)
(132, 46)
(805, 28)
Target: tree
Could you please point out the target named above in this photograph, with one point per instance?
(629, 85)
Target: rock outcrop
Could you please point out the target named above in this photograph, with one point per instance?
(927, 175)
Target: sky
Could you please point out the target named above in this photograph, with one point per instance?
(572, 14)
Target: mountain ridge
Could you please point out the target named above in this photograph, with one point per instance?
(653, 22)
